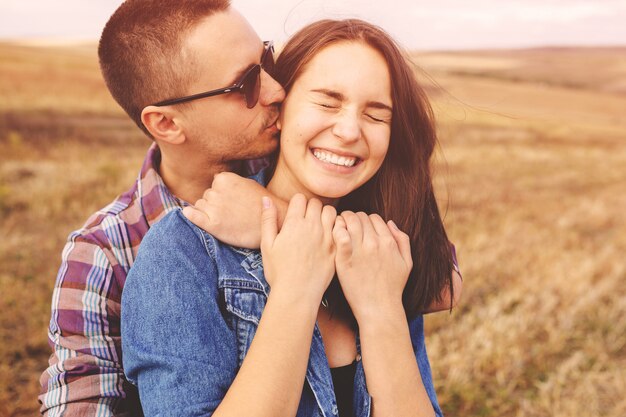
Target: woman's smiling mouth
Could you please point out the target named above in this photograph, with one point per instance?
(333, 158)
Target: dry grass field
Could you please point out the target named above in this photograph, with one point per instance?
(531, 174)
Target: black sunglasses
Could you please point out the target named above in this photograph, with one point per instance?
(249, 85)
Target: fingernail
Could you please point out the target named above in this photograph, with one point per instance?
(267, 202)
(393, 224)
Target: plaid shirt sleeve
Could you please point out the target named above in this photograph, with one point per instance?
(455, 262)
(85, 376)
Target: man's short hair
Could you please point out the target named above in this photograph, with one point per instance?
(141, 54)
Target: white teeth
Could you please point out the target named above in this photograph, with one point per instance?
(334, 159)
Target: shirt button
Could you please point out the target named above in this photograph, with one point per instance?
(358, 357)
(335, 410)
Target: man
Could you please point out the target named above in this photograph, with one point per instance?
(152, 51)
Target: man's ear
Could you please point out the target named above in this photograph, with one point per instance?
(163, 123)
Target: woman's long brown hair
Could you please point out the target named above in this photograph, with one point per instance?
(402, 189)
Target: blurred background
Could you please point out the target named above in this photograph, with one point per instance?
(530, 98)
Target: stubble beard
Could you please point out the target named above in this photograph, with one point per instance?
(264, 136)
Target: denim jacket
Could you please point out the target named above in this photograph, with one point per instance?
(190, 309)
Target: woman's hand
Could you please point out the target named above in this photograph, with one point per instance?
(373, 263)
(300, 260)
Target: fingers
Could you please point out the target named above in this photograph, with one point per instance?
(353, 226)
(329, 215)
(297, 207)
(342, 239)
(197, 217)
(269, 224)
(205, 213)
(403, 241)
(366, 225)
(226, 179)
(379, 225)
(313, 209)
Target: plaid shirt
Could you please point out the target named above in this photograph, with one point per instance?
(85, 376)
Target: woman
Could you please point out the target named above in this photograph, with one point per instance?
(203, 334)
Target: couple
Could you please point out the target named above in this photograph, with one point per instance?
(340, 332)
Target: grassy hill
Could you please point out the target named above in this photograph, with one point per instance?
(531, 174)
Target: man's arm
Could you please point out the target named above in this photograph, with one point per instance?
(445, 303)
(231, 210)
(85, 376)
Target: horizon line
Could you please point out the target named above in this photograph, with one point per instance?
(74, 41)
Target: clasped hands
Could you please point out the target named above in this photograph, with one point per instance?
(372, 258)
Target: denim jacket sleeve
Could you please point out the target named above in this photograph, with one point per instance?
(416, 328)
(177, 347)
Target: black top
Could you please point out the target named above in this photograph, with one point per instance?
(343, 381)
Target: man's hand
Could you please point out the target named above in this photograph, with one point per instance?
(231, 210)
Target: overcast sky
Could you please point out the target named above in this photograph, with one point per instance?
(435, 24)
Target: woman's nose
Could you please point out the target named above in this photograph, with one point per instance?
(347, 126)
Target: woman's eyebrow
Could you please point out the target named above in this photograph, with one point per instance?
(330, 93)
(340, 97)
(379, 105)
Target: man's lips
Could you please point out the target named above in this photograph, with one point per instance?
(272, 125)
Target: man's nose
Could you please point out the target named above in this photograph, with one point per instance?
(271, 91)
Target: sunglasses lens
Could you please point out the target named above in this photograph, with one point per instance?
(251, 86)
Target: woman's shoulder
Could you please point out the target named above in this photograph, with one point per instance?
(173, 247)
(173, 227)
(175, 232)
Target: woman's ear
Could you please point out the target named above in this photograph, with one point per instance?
(163, 124)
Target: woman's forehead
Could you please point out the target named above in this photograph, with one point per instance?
(345, 67)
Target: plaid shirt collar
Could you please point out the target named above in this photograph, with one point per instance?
(154, 196)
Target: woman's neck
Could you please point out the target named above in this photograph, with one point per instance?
(285, 185)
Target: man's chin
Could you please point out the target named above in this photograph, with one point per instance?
(273, 145)
(267, 145)
(270, 135)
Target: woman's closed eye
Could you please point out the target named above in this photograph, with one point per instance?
(378, 118)
(328, 105)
